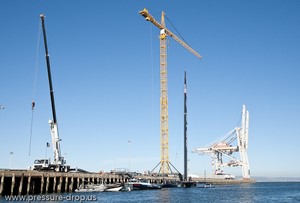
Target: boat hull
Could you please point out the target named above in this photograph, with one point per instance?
(138, 186)
(115, 189)
(92, 188)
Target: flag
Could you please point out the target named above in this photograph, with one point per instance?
(48, 145)
(32, 105)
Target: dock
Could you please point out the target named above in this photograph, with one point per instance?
(30, 182)
(26, 182)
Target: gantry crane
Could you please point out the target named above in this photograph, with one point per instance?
(164, 32)
(225, 147)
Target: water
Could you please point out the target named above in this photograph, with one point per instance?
(283, 192)
(244, 193)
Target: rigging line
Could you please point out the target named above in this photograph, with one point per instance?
(36, 61)
(31, 131)
(175, 29)
(152, 76)
(34, 83)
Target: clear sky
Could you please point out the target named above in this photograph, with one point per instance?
(105, 68)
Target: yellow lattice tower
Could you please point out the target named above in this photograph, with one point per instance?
(164, 135)
(164, 159)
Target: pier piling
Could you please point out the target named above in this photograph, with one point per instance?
(2, 184)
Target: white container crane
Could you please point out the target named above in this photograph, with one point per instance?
(225, 147)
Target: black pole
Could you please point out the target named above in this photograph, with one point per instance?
(42, 16)
(185, 129)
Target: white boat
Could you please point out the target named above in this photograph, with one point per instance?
(135, 184)
(91, 188)
(113, 189)
(205, 185)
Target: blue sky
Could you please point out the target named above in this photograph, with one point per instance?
(105, 68)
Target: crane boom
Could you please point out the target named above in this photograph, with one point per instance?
(48, 69)
(145, 13)
(53, 123)
(164, 131)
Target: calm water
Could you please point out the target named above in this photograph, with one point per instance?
(256, 192)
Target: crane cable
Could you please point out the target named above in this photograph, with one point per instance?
(175, 29)
(34, 83)
(178, 146)
(152, 76)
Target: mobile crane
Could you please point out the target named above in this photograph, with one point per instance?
(58, 164)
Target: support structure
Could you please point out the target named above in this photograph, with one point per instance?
(234, 141)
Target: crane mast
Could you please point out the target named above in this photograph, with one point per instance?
(164, 32)
(164, 117)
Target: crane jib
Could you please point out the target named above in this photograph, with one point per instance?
(150, 18)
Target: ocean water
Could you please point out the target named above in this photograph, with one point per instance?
(282, 192)
(243, 193)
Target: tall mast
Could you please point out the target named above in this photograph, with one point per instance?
(42, 16)
(185, 128)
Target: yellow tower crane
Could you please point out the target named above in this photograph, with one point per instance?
(164, 32)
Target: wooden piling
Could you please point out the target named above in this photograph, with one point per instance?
(59, 184)
(71, 185)
(28, 184)
(42, 184)
(2, 184)
(54, 184)
(66, 183)
(33, 186)
(21, 185)
(13, 180)
(47, 183)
